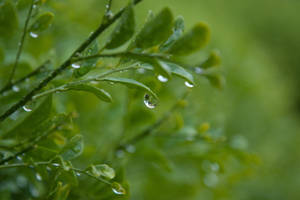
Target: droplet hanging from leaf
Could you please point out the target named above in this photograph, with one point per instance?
(149, 101)
(117, 188)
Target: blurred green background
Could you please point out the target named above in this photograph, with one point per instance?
(257, 111)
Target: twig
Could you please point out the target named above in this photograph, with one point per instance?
(31, 74)
(65, 87)
(21, 44)
(103, 26)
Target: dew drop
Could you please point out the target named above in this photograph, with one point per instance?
(78, 174)
(120, 153)
(117, 188)
(198, 70)
(19, 158)
(26, 109)
(188, 84)
(141, 70)
(148, 101)
(162, 78)
(130, 148)
(15, 88)
(76, 65)
(38, 177)
(33, 35)
(55, 164)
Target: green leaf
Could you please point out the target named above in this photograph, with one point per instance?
(181, 72)
(87, 65)
(8, 19)
(62, 191)
(177, 33)
(192, 41)
(155, 30)
(42, 23)
(100, 93)
(102, 170)
(1, 56)
(130, 83)
(216, 80)
(125, 29)
(33, 120)
(213, 60)
(73, 148)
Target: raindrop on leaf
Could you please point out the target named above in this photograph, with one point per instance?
(162, 78)
(15, 88)
(117, 188)
(188, 84)
(33, 35)
(198, 70)
(75, 65)
(27, 109)
(149, 101)
(38, 177)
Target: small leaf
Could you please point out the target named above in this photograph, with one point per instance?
(192, 41)
(216, 80)
(124, 30)
(74, 148)
(102, 170)
(100, 93)
(130, 83)
(156, 30)
(8, 19)
(212, 61)
(42, 23)
(87, 65)
(62, 191)
(177, 33)
(181, 72)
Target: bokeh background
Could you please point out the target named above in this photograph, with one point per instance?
(258, 110)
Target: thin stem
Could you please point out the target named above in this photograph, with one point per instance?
(65, 87)
(147, 132)
(21, 80)
(103, 26)
(108, 7)
(21, 43)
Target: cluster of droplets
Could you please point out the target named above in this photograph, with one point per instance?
(149, 101)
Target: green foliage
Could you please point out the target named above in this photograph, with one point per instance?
(8, 19)
(41, 23)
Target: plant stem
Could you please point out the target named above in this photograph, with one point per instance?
(31, 74)
(65, 87)
(103, 26)
(21, 44)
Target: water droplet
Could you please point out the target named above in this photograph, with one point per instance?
(117, 188)
(48, 168)
(188, 84)
(34, 191)
(148, 101)
(198, 70)
(141, 70)
(211, 180)
(78, 174)
(33, 35)
(215, 167)
(162, 78)
(76, 65)
(55, 164)
(120, 153)
(27, 109)
(15, 88)
(38, 177)
(130, 148)
(19, 158)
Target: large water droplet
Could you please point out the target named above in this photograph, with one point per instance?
(117, 188)
(33, 35)
(76, 65)
(162, 78)
(188, 84)
(38, 177)
(27, 109)
(15, 88)
(149, 101)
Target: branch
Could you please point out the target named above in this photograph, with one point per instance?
(33, 73)
(103, 26)
(21, 44)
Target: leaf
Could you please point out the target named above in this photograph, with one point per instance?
(130, 83)
(177, 33)
(33, 120)
(192, 41)
(73, 148)
(102, 170)
(156, 30)
(212, 61)
(100, 93)
(8, 19)
(161, 68)
(87, 65)
(181, 72)
(216, 80)
(124, 30)
(1, 56)
(42, 23)
(62, 191)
